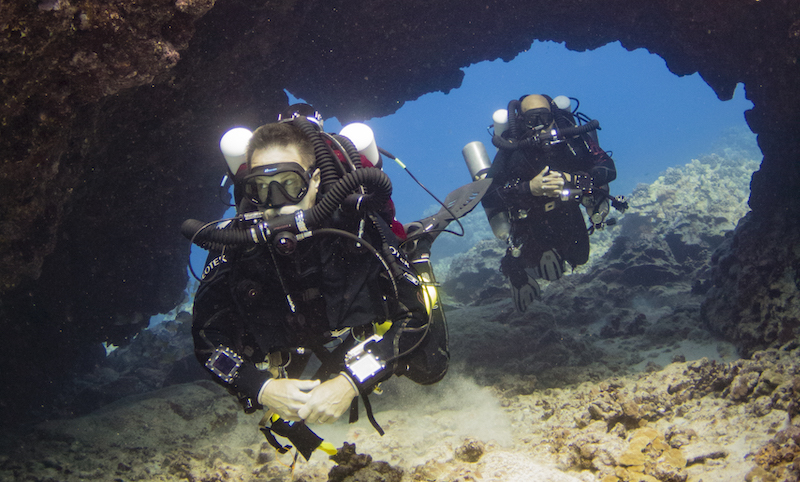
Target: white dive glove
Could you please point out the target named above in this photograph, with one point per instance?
(547, 183)
(285, 396)
(329, 400)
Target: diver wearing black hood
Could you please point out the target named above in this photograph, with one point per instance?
(342, 292)
(545, 168)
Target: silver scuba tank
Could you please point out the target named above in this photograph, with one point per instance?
(477, 160)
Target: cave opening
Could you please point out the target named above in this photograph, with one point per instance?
(651, 120)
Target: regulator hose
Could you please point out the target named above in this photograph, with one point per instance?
(501, 143)
(374, 180)
(511, 108)
(330, 168)
(577, 130)
(201, 234)
(350, 150)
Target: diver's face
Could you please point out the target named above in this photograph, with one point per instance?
(282, 155)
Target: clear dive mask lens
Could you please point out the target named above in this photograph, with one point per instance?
(277, 185)
(537, 119)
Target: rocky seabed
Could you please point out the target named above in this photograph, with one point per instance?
(691, 421)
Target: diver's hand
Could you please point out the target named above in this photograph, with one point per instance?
(329, 400)
(547, 183)
(286, 396)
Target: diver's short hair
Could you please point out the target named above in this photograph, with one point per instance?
(282, 134)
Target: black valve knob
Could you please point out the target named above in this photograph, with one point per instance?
(285, 243)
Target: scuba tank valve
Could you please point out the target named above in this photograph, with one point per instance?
(477, 159)
(234, 147)
(363, 139)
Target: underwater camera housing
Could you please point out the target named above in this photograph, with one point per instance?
(361, 363)
(224, 363)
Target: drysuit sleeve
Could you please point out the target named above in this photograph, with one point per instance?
(217, 329)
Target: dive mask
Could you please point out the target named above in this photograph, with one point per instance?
(277, 185)
(537, 119)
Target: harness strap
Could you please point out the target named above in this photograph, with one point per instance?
(353, 411)
(328, 363)
(370, 416)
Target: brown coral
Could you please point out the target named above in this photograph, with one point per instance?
(781, 455)
(650, 457)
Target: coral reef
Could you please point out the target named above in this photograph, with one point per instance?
(780, 457)
(349, 463)
(691, 421)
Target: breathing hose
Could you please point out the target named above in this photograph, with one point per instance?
(349, 150)
(513, 106)
(577, 130)
(330, 168)
(502, 143)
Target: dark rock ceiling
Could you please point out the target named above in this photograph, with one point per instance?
(111, 112)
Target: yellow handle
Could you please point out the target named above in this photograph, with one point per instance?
(328, 448)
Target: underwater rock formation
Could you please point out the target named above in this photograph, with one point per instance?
(644, 283)
(698, 420)
(349, 463)
(110, 116)
(754, 298)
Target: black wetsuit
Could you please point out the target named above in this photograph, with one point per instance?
(334, 285)
(540, 223)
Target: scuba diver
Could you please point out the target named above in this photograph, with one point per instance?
(547, 166)
(307, 300)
